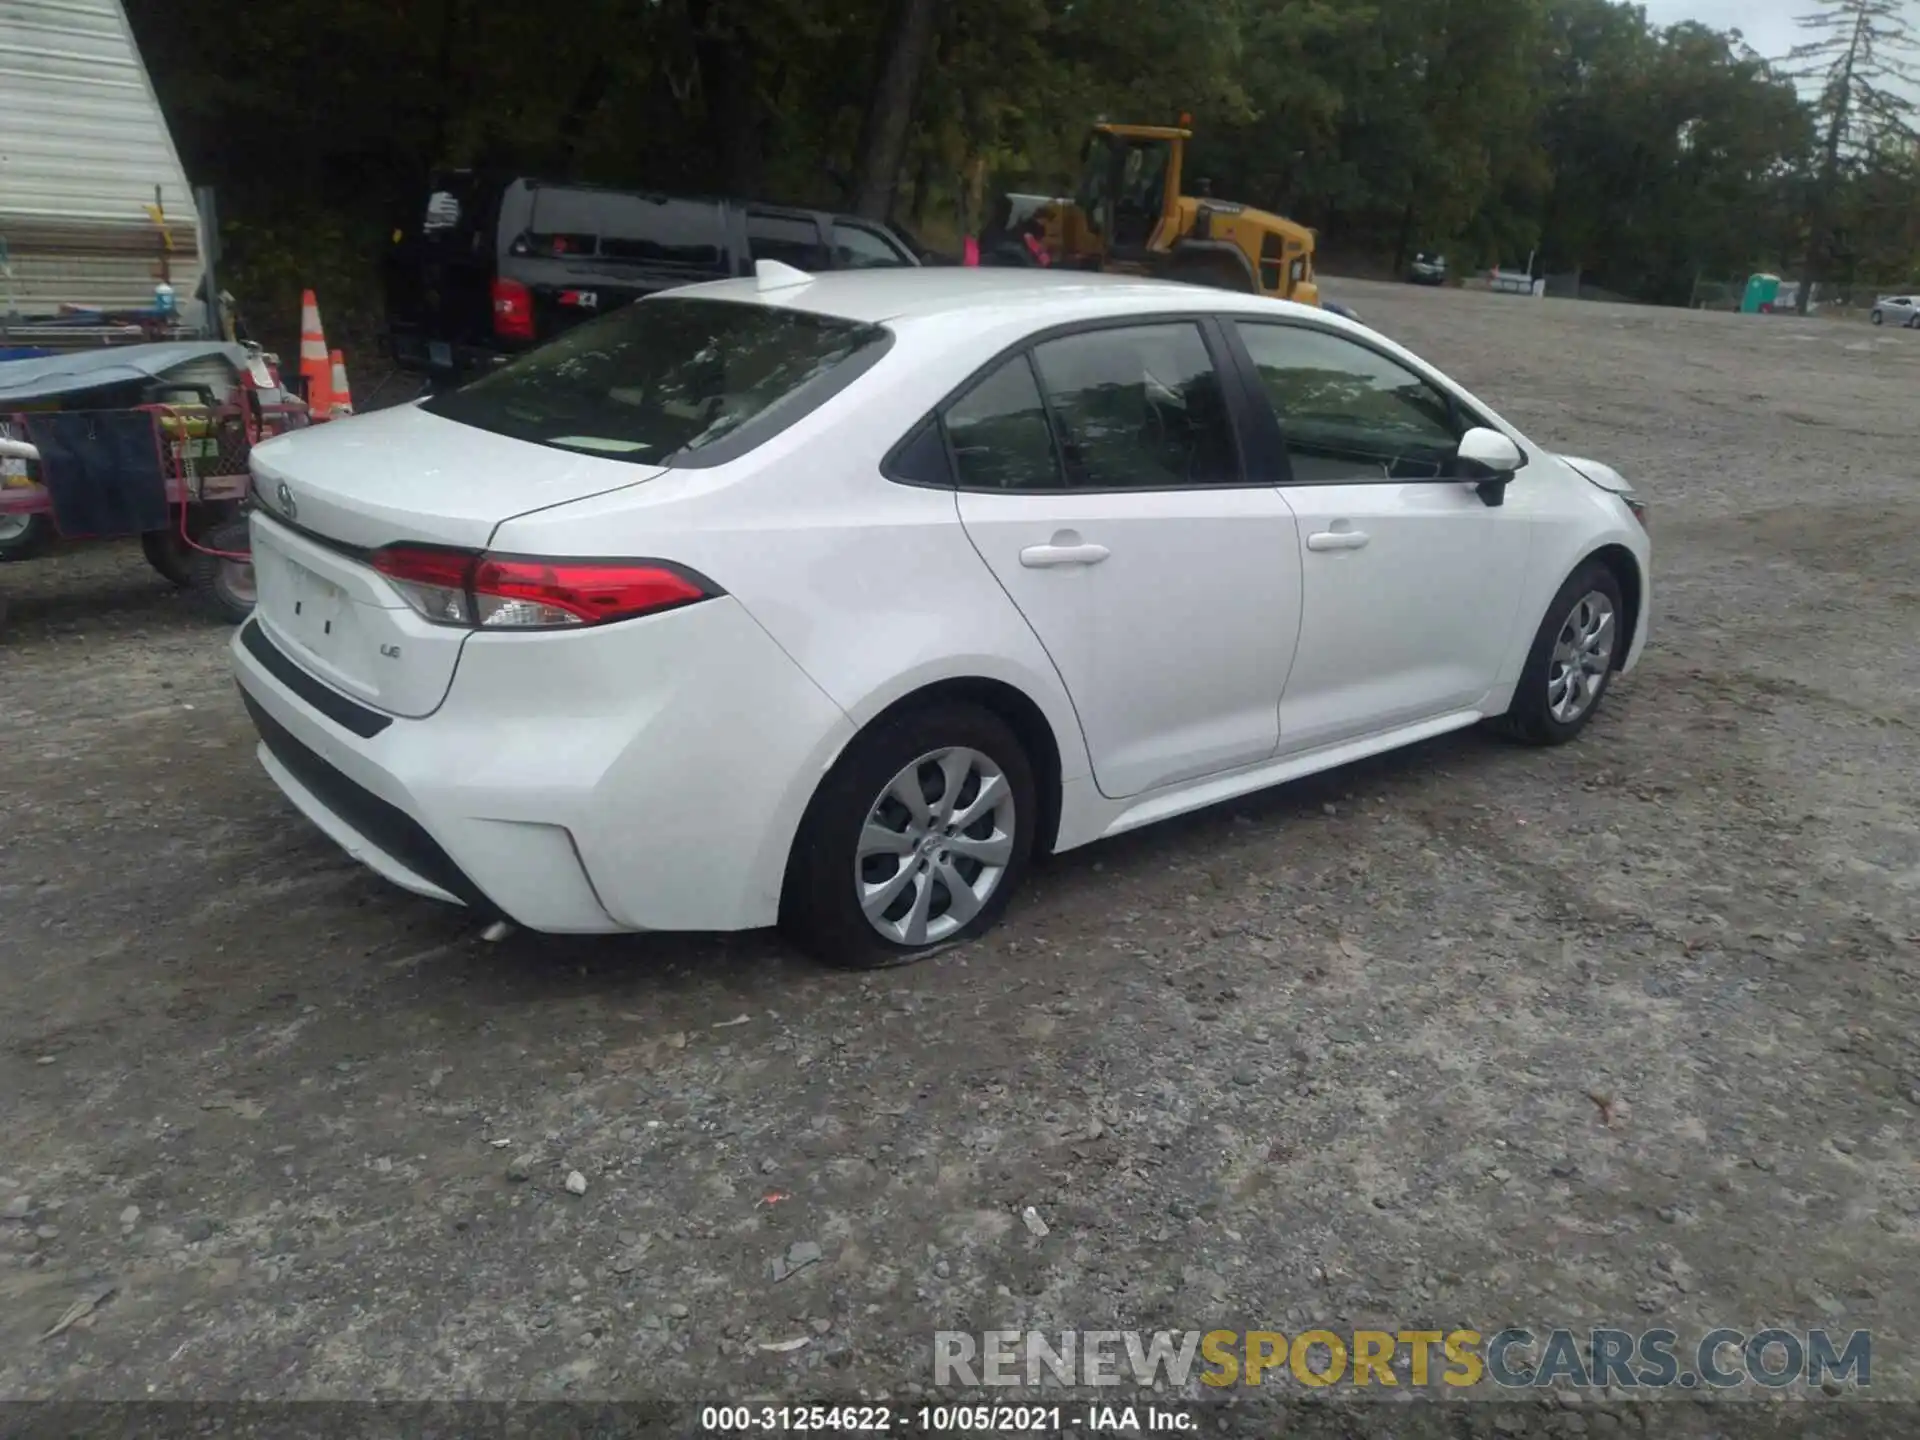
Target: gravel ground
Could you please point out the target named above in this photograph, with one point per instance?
(1467, 1036)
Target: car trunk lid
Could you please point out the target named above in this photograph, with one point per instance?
(331, 495)
(405, 474)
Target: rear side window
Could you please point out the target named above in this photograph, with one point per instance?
(791, 239)
(610, 225)
(857, 248)
(670, 381)
(1139, 408)
(999, 432)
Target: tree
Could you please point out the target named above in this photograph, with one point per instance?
(883, 136)
(1642, 157)
(1860, 52)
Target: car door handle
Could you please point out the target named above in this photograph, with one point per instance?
(1045, 557)
(1338, 540)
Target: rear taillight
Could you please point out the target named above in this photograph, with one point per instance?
(524, 592)
(512, 310)
(432, 580)
(1639, 510)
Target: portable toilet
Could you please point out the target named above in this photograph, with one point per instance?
(1762, 290)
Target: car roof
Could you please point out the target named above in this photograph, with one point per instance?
(734, 202)
(1043, 297)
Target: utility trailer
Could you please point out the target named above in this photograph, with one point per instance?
(126, 408)
(150, 440)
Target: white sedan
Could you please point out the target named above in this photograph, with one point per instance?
(836, 601)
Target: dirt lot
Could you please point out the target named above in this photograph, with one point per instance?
(1344, 1055)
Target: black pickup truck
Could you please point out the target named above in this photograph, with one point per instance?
(490, 267)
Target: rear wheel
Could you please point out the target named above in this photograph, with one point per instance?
(167, 553)
(1572, 659)
(221, 585)
(173, 556)
(1876, 317)
(915, 841)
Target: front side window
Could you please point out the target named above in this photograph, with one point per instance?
(1348, 412)
(857, 248)
(665, 378)
(1139, 408)
(1143, 178)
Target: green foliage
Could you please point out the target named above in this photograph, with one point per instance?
(1493, 129)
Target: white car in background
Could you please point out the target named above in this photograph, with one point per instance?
(1903, 310)
(836, 601)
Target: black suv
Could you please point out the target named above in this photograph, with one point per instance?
(489, 268)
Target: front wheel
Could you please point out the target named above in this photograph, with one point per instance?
(1877, 318)
(915, 840)
(1572, 659)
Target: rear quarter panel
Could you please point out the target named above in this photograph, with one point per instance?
(871, 586)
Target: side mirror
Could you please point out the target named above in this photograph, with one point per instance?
(1488, 460)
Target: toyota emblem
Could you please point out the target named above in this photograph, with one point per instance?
(285, 496)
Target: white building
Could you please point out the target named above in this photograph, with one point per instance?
(84, 153)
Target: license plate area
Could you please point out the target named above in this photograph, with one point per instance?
(440, 354)
(314, 610)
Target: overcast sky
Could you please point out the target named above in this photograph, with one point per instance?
(1767, 24)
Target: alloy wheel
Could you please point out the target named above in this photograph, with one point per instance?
(1582, 656)
(934, 846)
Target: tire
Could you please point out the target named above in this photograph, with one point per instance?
(166, 553)
(23, 536)
(1539, 714)
(223, 588)
(821, 908)
(1876, 317)
(172, 557)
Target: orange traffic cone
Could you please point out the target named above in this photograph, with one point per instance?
(342, 396)
(314, 369)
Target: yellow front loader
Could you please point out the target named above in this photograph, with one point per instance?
(1129, 216)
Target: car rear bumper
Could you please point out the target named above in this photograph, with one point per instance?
(642, 776)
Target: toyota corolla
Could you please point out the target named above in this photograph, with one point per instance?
(835, 601)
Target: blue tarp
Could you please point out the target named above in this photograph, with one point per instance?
(80, 370)
(102, 472)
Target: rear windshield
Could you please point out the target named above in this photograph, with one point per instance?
(611, 225)
(664, 380)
